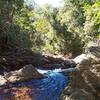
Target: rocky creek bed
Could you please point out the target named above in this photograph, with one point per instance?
(83, 85)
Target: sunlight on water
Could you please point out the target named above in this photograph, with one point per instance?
(48, 88)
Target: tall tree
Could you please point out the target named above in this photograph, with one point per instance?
(7, 10)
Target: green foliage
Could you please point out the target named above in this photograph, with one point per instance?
(8, 29)
(92, 23)
(55, 30)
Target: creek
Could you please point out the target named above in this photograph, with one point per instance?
(48, 88)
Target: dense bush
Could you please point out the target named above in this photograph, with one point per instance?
(53, 30)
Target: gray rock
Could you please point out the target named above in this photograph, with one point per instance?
(26, 73)
(82, 59)
(3, 81)
(93, 51)
(80, 95)
(85, 85)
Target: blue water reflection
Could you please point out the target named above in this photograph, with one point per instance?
(48, 88)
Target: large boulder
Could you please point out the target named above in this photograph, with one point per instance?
(85, 85)
(26, 73)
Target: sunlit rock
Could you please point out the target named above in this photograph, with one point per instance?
(3, 81)
(26, 73)
(82, 59)
(88, 79)
(94, 53)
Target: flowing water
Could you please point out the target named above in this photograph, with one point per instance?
(48, 88)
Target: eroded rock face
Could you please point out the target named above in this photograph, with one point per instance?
(3, 81)
(26, 73)
(80, 95)
(15, 60)
(85, 85)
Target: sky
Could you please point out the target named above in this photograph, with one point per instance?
(54, 3)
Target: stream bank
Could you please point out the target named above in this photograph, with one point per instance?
(84, 85)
